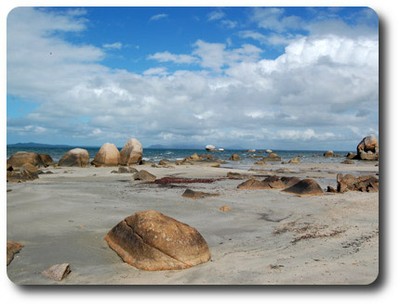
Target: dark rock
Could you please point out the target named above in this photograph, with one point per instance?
(149, 240)
(253, 184)
(305, 187)
(189, 193)
(234, 157)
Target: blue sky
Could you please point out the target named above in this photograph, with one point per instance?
(271, 77)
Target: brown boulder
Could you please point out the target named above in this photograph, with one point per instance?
(149, 240)
(144, 175)
(13, 248)
(368, 148)
(234, 157)
(272, 157)
(20, 158)
(131, 153)
(305, 187)
(329, 154)
(108, 155)
(26, 172)
(348, 182)
(75, 158)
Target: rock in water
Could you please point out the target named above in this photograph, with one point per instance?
(131, 153)
(305, 187)
(149, 240)
(57, 272)
(368, 148)
(75, 158)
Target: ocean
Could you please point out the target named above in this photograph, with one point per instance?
(247, 159)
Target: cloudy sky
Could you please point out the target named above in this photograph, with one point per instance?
(281, 78)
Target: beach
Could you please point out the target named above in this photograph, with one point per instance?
(264, 237)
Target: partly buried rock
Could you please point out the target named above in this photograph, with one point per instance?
(272, 157)
(270, 182)
(75, 158)
(149, 240)
(348, 182)
(189, 193)
(131, 153)
(57, 272)
(329, 153)
(144, 175)
(234, 157)
(253, 184)
(125, 170)
(13, 248)
(20, 158)
(305, 187)
(108, 155)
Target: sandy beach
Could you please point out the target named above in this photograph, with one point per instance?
(268, 237)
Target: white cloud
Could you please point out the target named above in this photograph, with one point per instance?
(175, 58)
(158, 17)
(322, 90)
(215, 15)
(116, 45)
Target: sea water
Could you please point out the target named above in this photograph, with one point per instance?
(247, 159)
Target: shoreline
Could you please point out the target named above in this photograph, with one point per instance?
(262, 239)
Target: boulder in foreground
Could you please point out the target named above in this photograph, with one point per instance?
(305, 187)
(149, 240)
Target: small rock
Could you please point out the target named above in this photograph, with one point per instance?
(189, 193)
(144, 175)
(57, 272)
(13, 248)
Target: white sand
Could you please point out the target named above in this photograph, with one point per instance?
(63, 217)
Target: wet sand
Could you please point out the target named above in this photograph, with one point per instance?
(267, 236)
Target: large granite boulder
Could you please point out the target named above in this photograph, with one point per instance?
(131, 153)
(304, 187)
(149, 240)
(75, 158)
(368, 148)
(108, 155)
(20, 158)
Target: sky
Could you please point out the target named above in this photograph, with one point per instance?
(235, 77)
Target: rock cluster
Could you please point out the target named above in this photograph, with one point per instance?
(348, 182)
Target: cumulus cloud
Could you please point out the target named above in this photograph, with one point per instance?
(321, 92)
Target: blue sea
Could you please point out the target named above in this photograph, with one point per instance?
(155, 155)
